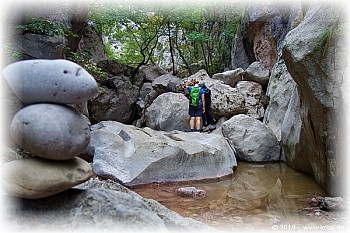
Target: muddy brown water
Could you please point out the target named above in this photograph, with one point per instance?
(270, 196)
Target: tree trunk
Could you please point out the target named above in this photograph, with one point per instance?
(171, 49)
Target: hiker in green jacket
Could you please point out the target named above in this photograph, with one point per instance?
(196, 106)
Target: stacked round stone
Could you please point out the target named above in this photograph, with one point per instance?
(52, 131)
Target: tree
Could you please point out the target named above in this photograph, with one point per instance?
(190, 34)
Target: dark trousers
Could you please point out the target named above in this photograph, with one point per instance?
(208, 117)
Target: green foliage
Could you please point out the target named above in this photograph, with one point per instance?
(109, 51)
(324, 40)
(42, 26)
(197, 37)
(190, 32)
(10, 52)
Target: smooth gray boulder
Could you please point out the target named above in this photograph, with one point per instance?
(51, 131)
(33, 178)
(169, 111)
(54, 81)
(253, 141)
(135, 156)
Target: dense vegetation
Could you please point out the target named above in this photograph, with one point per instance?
(181, 38)
(173, 36)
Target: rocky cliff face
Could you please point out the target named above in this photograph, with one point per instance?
(307, 71)
(316, 61)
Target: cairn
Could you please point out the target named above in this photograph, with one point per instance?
(47, 127)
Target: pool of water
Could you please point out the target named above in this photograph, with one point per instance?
(256, 196)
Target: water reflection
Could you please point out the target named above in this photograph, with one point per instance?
(256, 196)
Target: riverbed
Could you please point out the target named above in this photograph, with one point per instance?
(269, 196)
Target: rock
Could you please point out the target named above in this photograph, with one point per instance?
(279, 92)
(321, 85)
(169, 111)
(33, 178)
(116, 104)
(333, 203)
(252, 93)
(256, 72)
(316, 201)
(136, 156)
(191, 192)
(230, 77)
(8, 154)
(95, 210)
(253, 141)
(55, 81)
(51, 131)
(171, 219)
(149, 73)
(166, 83)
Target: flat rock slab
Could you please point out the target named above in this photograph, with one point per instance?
(33, 178)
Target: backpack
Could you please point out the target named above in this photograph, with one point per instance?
(194, 96)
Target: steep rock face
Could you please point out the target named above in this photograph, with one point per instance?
(69, 15)
(316, 63)
(262, 27)
(92, 43)
(279, 91)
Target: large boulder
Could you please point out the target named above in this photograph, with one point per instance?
(165, 83)
(92, 43)
(253, 95)
(256, 72)
(117, 104)
(252, 140)
(148, 73)
(135, 156)
(171, 219)
(169, 111)
(263, 26)
(38, 46)
(230, 77)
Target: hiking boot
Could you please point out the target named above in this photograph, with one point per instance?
(205, 128)
(211, 127)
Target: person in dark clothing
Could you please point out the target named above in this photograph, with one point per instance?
(208, 116)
